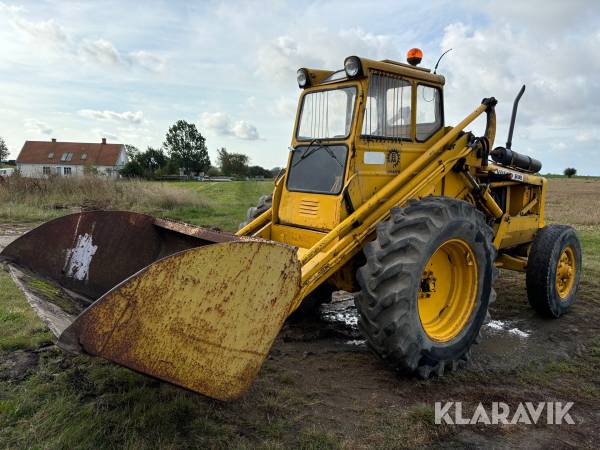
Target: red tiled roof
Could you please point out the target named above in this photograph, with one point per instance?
(98, 154)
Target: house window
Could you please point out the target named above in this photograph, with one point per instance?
(46, 170)
(109, 171)
(50, 155)
(67, 170)
(66, 156)
(83, 156)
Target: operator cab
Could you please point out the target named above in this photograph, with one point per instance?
(355, 129)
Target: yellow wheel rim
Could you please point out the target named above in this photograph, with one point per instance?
(448, 290)
(565, 272)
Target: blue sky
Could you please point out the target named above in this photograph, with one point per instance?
(79, 71)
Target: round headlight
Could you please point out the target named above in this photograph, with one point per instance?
(302, 77)
(352, 66)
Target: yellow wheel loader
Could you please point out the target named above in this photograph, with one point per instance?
(379, 197)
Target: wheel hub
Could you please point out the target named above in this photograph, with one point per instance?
(565, 273)
(448, 290)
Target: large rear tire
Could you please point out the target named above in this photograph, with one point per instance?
(427, 285)
(264, 203)
(553, 270)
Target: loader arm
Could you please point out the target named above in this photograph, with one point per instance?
(345, 240)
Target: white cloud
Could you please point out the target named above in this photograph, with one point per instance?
(10, 9)
(103, 52)
(38, 126)
(245, 130)
(100, 51)
(496, 59)
(222, 124)
(45, 31)
(126, 116)
(279, 58)
(586, 136)
(147, 60)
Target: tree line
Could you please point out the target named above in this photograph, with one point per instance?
(185, 149)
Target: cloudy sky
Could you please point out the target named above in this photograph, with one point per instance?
(126, 70)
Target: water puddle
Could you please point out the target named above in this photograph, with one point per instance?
(504, 326)
(342, 316)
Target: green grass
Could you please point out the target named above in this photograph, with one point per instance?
(590, 243)
(227, 202)
(19, 325)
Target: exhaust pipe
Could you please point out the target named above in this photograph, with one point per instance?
(508, 157)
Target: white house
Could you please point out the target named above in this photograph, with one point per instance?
(43, 158)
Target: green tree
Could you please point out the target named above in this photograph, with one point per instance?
(131, 151)
(570, 172)
(187, 147)
(3, 150)
(232, 164)
(258, 171)
(151, 160)
(213, 171)
(132, 169)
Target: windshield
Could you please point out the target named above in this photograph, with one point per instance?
(327, 114)
(317, 168)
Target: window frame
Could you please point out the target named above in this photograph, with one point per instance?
(336, 88)
(345, 168)
(441, 96)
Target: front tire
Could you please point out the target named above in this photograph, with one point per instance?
(553, 270)
(427, 284)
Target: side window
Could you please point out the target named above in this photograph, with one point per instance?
(397, 104)
(387, 108)
(429, 112)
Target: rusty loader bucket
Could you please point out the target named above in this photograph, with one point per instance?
(192, 306)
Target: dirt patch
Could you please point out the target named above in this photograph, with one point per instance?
(16, 366)
(521, 358)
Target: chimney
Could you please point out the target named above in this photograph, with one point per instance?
(104, 140)
(53, 139)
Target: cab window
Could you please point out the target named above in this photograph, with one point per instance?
(429, 112)
(387, 112)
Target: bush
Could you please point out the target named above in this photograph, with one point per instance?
(570, 172)
(132, 169)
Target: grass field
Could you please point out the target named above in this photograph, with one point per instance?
(312, 393)
(216, 204)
